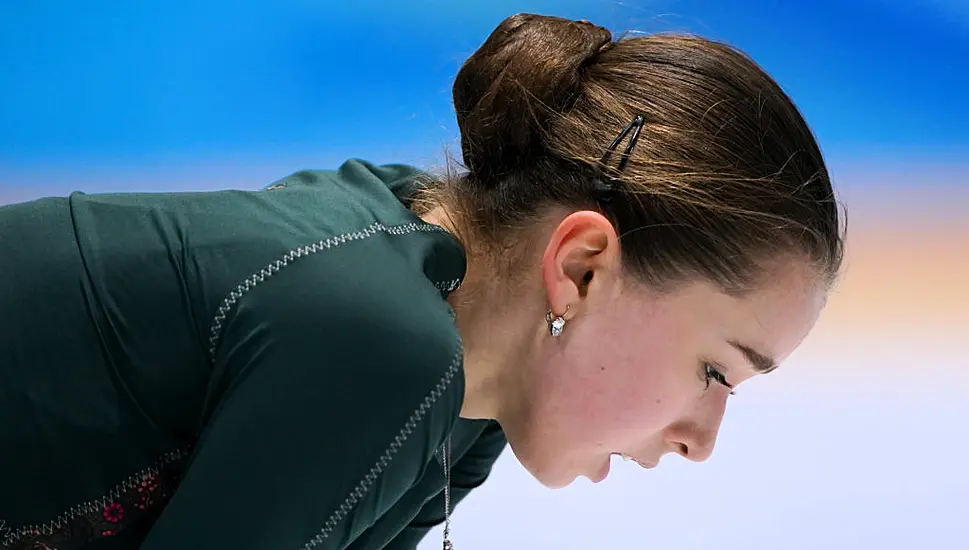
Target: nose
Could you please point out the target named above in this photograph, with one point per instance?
(693, 444)
(694, 439)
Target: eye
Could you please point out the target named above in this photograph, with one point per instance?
(710, 372)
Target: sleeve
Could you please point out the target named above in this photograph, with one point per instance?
(468, 473)
(332, 396)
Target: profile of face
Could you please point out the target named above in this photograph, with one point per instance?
(641, 372)
(715, 170)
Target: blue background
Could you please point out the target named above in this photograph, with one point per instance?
(148, 82)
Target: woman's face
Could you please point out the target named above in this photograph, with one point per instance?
(636, 372)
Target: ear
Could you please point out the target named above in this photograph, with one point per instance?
(582, 258)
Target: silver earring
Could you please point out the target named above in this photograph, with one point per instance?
(556, 323)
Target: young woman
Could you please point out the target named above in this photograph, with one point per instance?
(333, 362)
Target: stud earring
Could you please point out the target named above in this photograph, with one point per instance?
(556, 323)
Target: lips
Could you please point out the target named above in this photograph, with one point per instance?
(627, 458)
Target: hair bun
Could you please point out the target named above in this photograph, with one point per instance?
(508, 91)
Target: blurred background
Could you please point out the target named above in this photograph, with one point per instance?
(859, 441)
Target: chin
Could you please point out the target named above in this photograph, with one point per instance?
(547, 468)
(560, 482)
(551, 477)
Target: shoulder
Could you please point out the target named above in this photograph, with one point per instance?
(354, 253)
(352, 309)
(400, 179)
(358, 294)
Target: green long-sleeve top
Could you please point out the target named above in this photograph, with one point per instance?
(263, 369)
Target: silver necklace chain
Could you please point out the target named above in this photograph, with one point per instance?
(445, 462)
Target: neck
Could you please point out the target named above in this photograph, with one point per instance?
(492, 351)
(495, 333)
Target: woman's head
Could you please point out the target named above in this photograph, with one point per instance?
(716, 245)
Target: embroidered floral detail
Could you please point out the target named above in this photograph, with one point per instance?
(138, 500)
(114, 512)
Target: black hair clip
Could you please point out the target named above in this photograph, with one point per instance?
(604, 186)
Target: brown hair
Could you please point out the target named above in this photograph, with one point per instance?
(726, 173)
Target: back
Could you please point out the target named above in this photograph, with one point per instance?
(117, 308)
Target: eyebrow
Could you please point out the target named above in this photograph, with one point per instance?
(761, 363)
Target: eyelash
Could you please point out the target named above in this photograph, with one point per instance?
(711, 373)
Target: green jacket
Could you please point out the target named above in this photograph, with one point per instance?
(237, 369)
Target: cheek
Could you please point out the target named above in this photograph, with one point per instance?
(648, 396)
(632, 386)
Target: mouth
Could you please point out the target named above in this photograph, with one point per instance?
(641, 464)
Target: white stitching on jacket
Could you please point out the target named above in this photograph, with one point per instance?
(275, 266)
(448, 286)
(368, 480)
